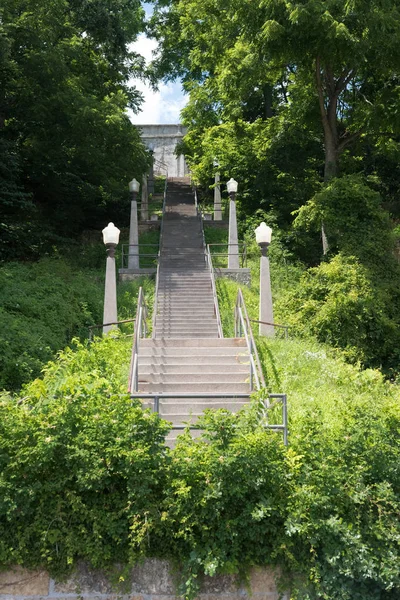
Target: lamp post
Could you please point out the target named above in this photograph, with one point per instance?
(110, 239)
(217, 194)
(233, 247)
(133, 253)
(263, 238)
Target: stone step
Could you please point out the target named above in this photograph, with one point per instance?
(206, 361)
(185, 300)
(220, 343)
(161, 368)
(188, 276)
(165, 322)
(176, 310)
(190, 356)
(195, 387)
(204, 377)
(198, 406)
(184, 336)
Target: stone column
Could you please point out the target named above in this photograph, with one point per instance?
(151, 176)
(233, 247)
(266, 310)
(133, 255)
(110, 291)
(217, 200)
(145, 200)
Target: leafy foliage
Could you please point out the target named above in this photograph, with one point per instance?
(344, 426)
(341, 304)
(225, 504)
(64, 68)
(45, 304)
(80, 464)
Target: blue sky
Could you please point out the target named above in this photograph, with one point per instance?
(163, 106)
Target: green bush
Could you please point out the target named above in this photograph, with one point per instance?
(353, 218)
(342, 533)
(341, 304)
(80, 464)
(43, 305)
(224, 507)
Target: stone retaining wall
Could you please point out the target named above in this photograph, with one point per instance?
(151, 580)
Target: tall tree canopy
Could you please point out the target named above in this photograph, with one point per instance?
(324, 70)
(67, 145)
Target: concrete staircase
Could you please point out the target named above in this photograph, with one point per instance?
(186, 355)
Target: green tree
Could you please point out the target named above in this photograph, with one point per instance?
(336, 61)
(64, 70)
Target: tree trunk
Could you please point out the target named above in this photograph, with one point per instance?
(328, 108)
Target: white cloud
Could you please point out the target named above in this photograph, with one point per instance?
(163, 106)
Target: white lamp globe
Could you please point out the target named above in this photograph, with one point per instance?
(263, 234)
(111, 234)
(134, 186)
(232, 186)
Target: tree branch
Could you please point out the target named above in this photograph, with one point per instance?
(343, 80)
(348, 140)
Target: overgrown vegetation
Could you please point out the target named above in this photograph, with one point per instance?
(299, 102)
(43, 305)
(86, 475)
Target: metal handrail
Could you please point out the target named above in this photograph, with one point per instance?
(211, 269)
(214, 292)
(125, 255)
(157, 396)
(242, 324)
(140, 331)
(101, 325)
(155, 306)
(285, 327)
(241, 253)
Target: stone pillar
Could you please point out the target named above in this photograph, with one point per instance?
(217, 199)
(145, 200)
(266, 310)
(133, 255)
(151, 176)
(233, 247)
(110, 291)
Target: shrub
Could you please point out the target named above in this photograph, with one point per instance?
(353, 218)
(43, 305)
(224, 506)
(340, 304)
(80, 464)
(342, 532)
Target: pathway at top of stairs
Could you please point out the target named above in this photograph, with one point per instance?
(185, 355)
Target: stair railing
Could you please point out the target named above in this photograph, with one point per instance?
(243, 328)
(155, 307)
(214, 291)
(140, 332)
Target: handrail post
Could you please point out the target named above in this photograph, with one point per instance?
(285, 420)
(156, 405)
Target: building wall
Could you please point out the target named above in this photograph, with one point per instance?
(163, 139)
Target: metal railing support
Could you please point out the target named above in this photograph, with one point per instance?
(140, 331)
(156, 398)
(155, 307)
(242, 324)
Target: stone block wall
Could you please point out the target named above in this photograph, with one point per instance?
(242, 276)
(152, 580)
